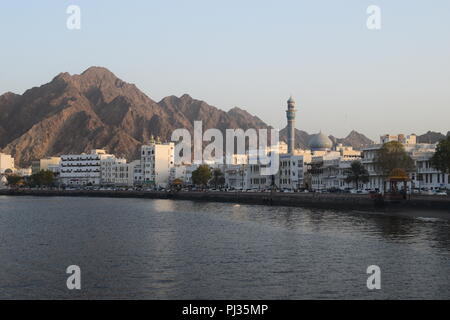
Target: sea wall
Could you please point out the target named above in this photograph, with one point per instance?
(313, 200)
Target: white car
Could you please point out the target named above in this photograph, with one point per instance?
(441, 193)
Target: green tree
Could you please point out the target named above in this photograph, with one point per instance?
(14, 180)
(392, 156)
(201, 175)
(441, 158)
(218, 178)
(42, 178)
(356, 174)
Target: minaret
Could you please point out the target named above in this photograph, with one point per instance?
(290, 114)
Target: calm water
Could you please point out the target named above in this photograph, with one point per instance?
(162, 249)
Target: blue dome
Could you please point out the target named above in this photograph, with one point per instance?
(320, 141)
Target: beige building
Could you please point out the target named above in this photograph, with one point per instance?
(157, 159)
(6, 162)
(49, 163)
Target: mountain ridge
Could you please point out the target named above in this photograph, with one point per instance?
(96, 109)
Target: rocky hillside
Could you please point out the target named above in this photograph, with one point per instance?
(76, 113)
(431, 137)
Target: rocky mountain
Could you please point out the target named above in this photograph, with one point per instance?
(76, 113)
(95, 109)
(355, 139)
(431, 137)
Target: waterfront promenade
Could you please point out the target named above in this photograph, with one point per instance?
(311, 200)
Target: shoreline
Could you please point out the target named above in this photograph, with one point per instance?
(307, 200)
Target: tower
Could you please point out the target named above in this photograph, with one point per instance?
(290, 115)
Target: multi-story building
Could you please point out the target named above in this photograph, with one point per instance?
(156, 161)
(254, 180)
(108, 169)
(138, 175)
(424, 177)
(234, 175)
(82, 169)
(328, 166)
(409, 139)
(49, 163)
(178, 172)
(123, 173)
(291, 174)
(330, 172)
(6, 162)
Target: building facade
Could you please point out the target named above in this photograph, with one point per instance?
(157, 159)
(49, 163)
(424, 178)
(6, 162)
(82, 169)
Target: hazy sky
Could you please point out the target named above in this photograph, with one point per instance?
(252, 54)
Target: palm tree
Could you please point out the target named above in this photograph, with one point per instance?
(357, 173)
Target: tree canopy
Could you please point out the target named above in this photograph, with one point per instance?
(441, 158)
(201, 175)
(218, 178)
(42, 178)
(14, 180)
(392, 155)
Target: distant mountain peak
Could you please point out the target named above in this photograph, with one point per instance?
(186, 97)
(97, 71)
(95, 109)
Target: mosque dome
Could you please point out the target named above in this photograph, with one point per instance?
(320, 141)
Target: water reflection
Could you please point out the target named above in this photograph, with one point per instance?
(163, 249)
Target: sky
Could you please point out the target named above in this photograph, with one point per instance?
(252, 54)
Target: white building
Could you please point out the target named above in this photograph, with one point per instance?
(425, 176)
(328, 167)
(123, 173)
(253, 178)
(291, 174)
(156, 161)
(178, 172)
(107, 172)
(234, 175)
(6, 162)
(82, 169)
(329, 171)
(138, 175)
